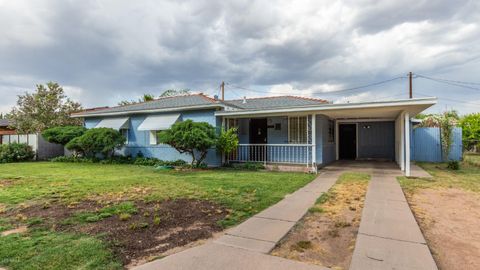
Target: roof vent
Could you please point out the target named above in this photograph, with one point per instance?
(244, 100)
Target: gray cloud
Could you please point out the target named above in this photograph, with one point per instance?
(105, 51)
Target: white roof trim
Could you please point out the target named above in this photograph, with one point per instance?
(159, 122)
(176, 109)
(335, 106)
(115, 123)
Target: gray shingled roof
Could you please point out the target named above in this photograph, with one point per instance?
(4, 122)
(202, 100)
(162, 103)
(274, 102)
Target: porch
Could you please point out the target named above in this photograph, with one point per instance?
(316, 136)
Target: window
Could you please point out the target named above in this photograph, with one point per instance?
(331, 131)
(155, 136)
(297, 129)
(124, 133)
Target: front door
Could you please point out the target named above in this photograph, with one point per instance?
(347, 141)
(258, 135)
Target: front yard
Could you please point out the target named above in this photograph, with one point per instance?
(447, 208)
(93, 216)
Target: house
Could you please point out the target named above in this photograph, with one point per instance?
(277, 131)
(5, 129)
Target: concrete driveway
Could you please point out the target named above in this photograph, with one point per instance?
(388, 238)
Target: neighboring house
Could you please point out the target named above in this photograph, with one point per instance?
(273, 130)
(43, 149)
(5, 129)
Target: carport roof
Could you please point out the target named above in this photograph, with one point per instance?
(361, 110)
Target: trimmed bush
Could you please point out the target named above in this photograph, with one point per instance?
(97, 141)
(15, 152)
(63, 135)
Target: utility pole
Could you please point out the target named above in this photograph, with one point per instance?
(410, 81)
(222, 86)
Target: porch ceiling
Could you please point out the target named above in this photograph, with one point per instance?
(366, 110)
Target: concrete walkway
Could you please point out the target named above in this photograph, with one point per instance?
(389, 236)
(247, 245)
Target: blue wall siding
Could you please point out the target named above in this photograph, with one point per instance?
(427, 145)
(139, 141)
(277, 136)
(376, 140)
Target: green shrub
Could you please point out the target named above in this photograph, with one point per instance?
(15, 152)
(74, 159)
(97, 141)
(227, 141)
(251, 166)
(63, 135)
(453, 165)
(143, 161)
(194, 138)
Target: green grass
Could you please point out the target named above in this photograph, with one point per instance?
(243, 192)
(467, 177)
(49, 250)
(472, 159)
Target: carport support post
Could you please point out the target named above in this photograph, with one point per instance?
(407, 144)
(314, 142)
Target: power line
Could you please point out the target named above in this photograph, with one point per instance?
(326, 92)
(452, 100)
(448, 82)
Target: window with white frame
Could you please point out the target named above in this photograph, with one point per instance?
(155, 136)
(297, 129)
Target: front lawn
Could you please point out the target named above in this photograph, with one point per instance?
(86, 209)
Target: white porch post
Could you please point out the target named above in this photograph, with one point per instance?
(224, 127)
(337, 156)
(314, 142)
(402, 141)
(407, 144)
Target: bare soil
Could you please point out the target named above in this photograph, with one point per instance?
(449, 219)
(155, 228)
(328, 238)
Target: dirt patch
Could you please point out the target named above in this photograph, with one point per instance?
(6, 183)
(20, 229)
(449, 219)
(149, 230)
(327, 236)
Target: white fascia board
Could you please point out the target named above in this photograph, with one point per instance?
(188, 108)
(325, 107)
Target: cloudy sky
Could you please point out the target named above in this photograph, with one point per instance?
(106, 51)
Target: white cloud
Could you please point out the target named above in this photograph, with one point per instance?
(106, 51)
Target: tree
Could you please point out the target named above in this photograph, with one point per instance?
(227, 141)
(446, 122)
(144, 98)
(194, 138)
(63, 135)
(173, 92)
(47, 107)
(470, 124)
(97, 141)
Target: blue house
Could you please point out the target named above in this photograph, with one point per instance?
(277, 131)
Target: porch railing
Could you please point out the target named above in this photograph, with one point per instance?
(273, 153)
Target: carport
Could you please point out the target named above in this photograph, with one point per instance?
(328, 132)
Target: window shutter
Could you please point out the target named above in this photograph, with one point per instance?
(153, 137)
